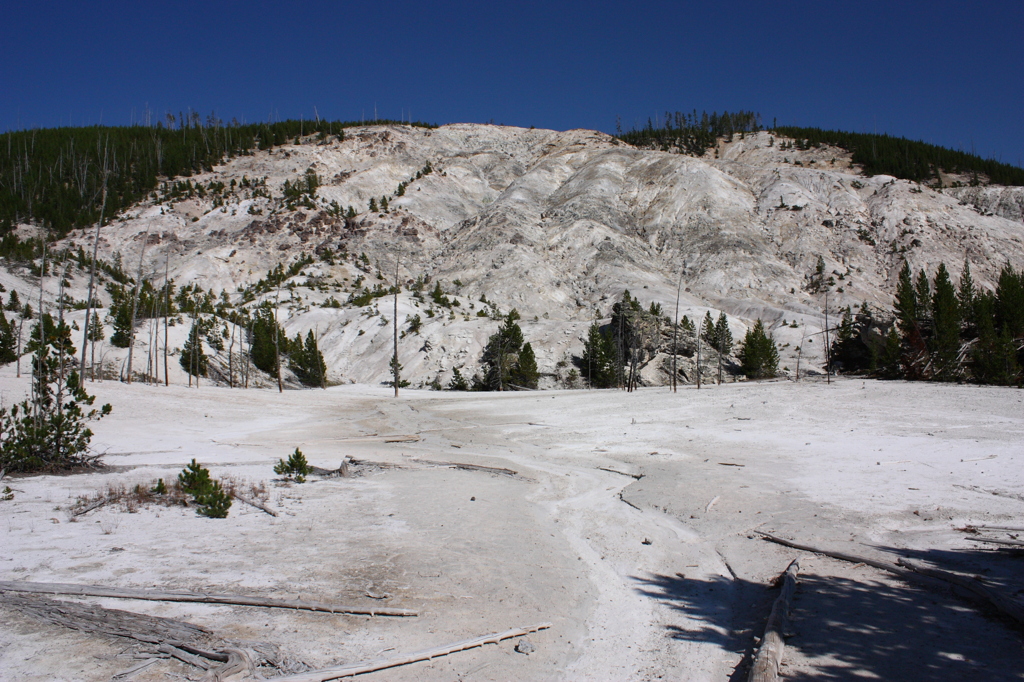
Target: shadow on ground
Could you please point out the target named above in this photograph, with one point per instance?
(857, 623)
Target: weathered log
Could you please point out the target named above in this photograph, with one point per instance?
(196, 597)
(995, 541)
(95, 505)
(473, 467)
(852, 558)
(974, 584)
(616, 471)
(183, 656)
(238, 661)
(1006, 528)
(254, 503)
(92, 618)
(769, 655)
(425, 655)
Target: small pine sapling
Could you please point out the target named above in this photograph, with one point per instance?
(212, 500)
(295, 468)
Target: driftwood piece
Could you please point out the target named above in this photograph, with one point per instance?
(425, 655)
(852, 558)
(711, 503)
(974, 584)
(92, 618)
(183, 656)
(995, 541)
(620, 473)
(473, 467)
(196, 597)
(254, 503)
(238, 661)
(1006, 528)
(138, 667)
(769, 655)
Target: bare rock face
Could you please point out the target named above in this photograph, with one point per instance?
(557, 225)
(1005, 202)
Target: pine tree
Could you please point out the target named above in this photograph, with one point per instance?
(723, 337)
(945, 339)
(308, 362)
(759, 356)
(922, 292)
(8, 341)
(890, 363)
(48, 430)
(1009, 307)
(262, 345)
(13, 303)
(121, 319)
(598, 362)
(373, 204)
(906, 302)
(458, 382)
(501, 353)
(526, 374)
(193, 360)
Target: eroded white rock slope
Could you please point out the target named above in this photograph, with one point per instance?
(557, 224)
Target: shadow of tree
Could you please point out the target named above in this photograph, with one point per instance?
(858, 625)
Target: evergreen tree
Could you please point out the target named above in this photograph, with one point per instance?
(193, 360)
(526, 374)
(96, 334)
(373, 204)
(8, 340)
(723, 337)
(965, 297)
(308, 362)
(500, 356)
(13, 303)
(598, 362)
(1009, 308)
(759, 356)
(922, 292)
(906, 302)
(890, 363)
(458, 382)
(945, 339)
(708, 331)
(262, 345)
(48, 430)
(121, 319)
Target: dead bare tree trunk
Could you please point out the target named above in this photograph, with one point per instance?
(700, 332)
(828, 349)
(277, 347)
(394, 360)
(135, 305)
(92, 269)
(231, 357)
(167, 315)
(675, 334)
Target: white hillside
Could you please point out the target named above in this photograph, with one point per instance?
(557, 225)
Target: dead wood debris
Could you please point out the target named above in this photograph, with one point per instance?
(196, 597)
(425, 655)
(768, 658)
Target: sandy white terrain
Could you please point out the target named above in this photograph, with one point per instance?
(659, 577)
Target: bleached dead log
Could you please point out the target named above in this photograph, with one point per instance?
(1009, 528)
(195, 597)
(994, 541)
(97, 619)
(711, 503)
(138, 667)
(254, 503)
(425, 655)
(473, 467)
(974, 584)
(620, 473)
(238, 661)
(852, 558)
(769, 655)
(183, 656)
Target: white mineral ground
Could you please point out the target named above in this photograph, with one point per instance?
(866, 467)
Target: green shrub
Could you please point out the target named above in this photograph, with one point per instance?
(295, 468)
(211, 499)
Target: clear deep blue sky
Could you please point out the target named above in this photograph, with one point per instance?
(951, 73)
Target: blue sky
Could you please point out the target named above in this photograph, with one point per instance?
(951, 73)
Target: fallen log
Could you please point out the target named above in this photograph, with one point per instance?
(852, 558)
(238, 661)
(769, 655)
(95, 505)
(425, 655)
(1008, 528)
(473, 467)
(183, 656)
(994, 541)
(196, 597)
(711, 503)
(975, 585)
(620, 473)
(254, 503)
